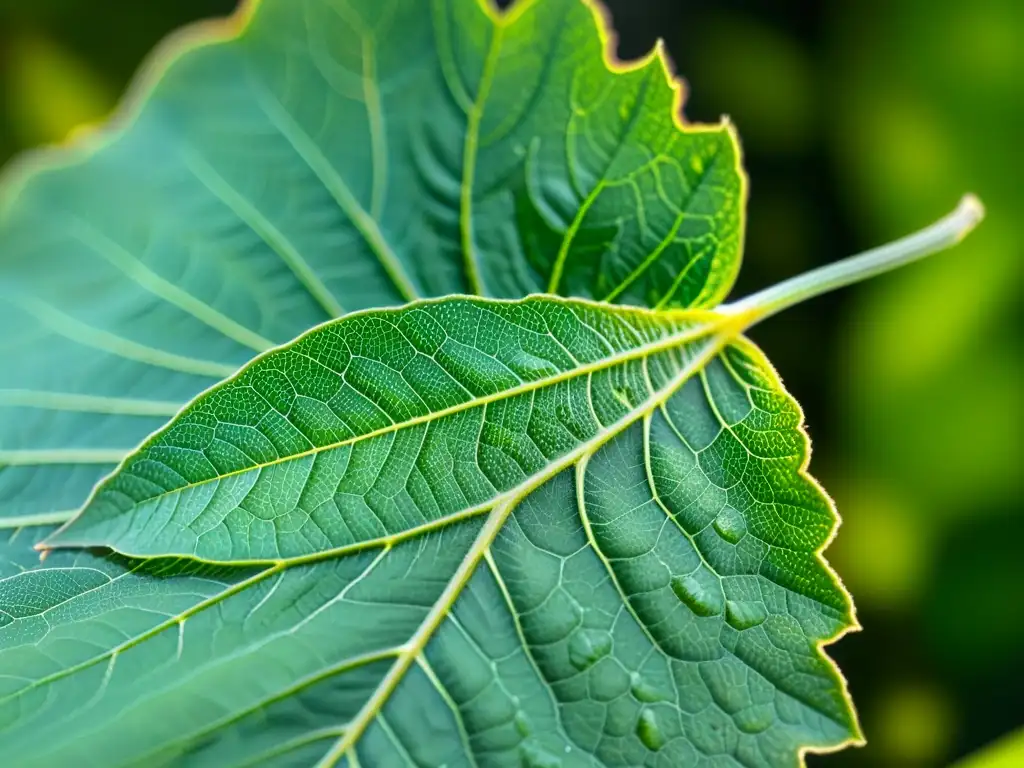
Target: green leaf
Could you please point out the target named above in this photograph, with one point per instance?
(606, 546)
(313, 158)
(388, 421)
(466, 531)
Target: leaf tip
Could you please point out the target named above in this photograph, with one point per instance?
(53, 540)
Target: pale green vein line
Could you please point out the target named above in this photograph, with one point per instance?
(460, 724)
(32, 458)
(341, 667)
(378, 138)
(414, 647)
(553, 42)
(164, 289)
(581, 471)
(655, 401)
(675, 430)
(278, 567)
(387, 540)
(570, 236)
(68, 401)
(262, 226)
(63, 569)
(727, 363)
(469, 158)
(39, 518)
(449, 67)
(660, 502)
(683, 273)
(75, 330)
(336, 75)
(227, 592)
(649, 261)
(527, 650)
(572, 133)
(290, 746)
(779, 517)
(313, 156)
(706, 385)
(407, 759)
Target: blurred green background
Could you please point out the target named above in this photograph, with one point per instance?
(861, 120)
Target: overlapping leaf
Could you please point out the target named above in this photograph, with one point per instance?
(337, 156)
(465, 532)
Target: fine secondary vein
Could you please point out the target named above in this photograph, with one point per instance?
(363, 222)
(261, 225)
(75, 330)
(134, 268)
(71, 401)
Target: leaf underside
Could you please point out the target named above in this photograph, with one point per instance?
(463, 532)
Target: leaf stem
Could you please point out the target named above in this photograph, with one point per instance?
(944, 233)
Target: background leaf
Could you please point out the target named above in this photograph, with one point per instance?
(328, 158)
(1005, 753)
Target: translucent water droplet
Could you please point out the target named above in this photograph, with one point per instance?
(755, 719)
(730, 525)
(643, 690)
(744, 614)
(533, 755)
(587, 646)
(701, 599)
(648, 730)
(522, 723)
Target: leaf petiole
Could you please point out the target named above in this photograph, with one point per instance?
(943, 234)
